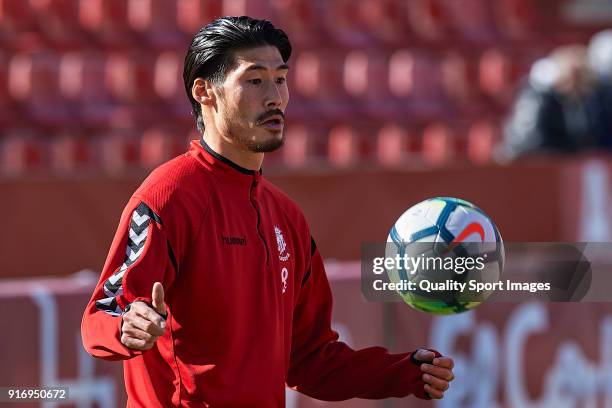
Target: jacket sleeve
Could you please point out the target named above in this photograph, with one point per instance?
(140, 255)
(324, 368)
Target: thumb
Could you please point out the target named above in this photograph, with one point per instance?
(158, 299)
(424, 355)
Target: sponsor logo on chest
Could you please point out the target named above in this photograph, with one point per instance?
(283, 256)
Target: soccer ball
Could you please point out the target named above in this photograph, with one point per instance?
(437, 238)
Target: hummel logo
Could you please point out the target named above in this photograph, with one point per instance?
(234, 240)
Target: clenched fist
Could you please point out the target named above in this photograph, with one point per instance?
(142, 324)
(437, 372)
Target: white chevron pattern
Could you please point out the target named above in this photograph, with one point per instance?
(116, 312)
(108, 293)
(131, 255)
(140, 219)
(135, 239)
(116, 277)
(107, 302)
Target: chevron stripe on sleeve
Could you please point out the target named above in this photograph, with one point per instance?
(137, 237)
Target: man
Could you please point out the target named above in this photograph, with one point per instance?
(560, 109)
(221, 298)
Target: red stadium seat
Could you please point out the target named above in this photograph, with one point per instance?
(82, 85)
(70, 153)
(499, 72)
(544, 22)
(482, 137)
(168, 75)
(90, 14)
(393, 145)
(107, 21)
(158, 145)
(458, 77)
(10, 112)
(301, 21)
(17, 16)
(191, 15)
(355, 73)
(460, 82)
(169, 87)
(130, 81)
(344, 146)
(318, 80)
(471, 21)
(260, 9)
(33, 81)
(58, 23)
(117, 150)
(156, 23)
(385, 22)
(438, 144)
(343, 25)
(82, 77)
(118, 76)
(494, 72)
(21, 152)
(365, 72)
(519, 19)
(366, 79)
(414, 74)
(415, 80)
(428, 19)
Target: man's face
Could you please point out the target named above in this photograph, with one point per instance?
(252, 100)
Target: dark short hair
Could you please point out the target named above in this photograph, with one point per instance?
(211, 53)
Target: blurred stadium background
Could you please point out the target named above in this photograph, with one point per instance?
(392, 101)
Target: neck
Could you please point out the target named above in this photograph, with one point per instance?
(243, 158)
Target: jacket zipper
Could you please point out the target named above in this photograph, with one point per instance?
(253, 185)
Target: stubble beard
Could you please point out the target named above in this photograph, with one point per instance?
(241, 137)
(265, 146)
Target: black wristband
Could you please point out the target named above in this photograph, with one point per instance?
(126, 309)
(129, 306)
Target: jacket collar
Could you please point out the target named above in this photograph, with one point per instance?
(218, 163)
(225, 160)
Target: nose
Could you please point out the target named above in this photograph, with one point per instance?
(274, 98)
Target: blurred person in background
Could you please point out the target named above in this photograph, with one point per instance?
(600, 61)
(600, 56)
(213, 292)
(559, 109)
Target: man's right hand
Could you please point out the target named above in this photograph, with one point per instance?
(142, 324)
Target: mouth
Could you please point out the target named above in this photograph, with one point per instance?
(274, 122)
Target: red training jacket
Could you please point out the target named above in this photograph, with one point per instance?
(249, 304)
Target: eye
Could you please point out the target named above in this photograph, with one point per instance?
(281, 80)
(255, 81)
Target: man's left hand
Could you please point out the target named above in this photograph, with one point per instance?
(437, 372)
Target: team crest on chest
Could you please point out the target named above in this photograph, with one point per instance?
(283, 254)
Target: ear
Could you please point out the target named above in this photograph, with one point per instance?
(202, 91)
